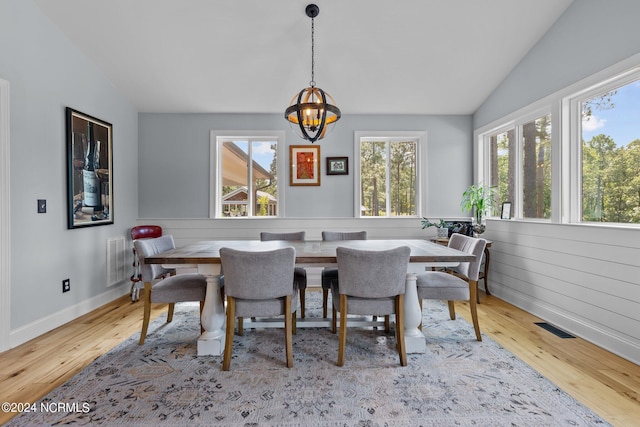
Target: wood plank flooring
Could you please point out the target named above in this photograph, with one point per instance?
(608, 384)
(604, 382)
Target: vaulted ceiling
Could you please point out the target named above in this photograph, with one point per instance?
(252, 56)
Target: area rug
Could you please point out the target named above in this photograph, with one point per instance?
(457, 382)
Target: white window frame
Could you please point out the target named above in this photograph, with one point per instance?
(572, 106)
(517, 125)
(421, 169)
(566, 144)
(215, 169)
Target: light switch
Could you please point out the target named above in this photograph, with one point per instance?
(42, 206)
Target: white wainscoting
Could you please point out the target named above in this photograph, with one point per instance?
(583, 279)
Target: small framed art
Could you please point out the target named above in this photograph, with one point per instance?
(304, 161)
(506, 210)
(337, 166)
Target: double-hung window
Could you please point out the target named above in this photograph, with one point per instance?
(388, 170)
(244, 174)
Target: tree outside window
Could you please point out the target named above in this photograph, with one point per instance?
(611, 155)
(521, 167)
(388, 171)
(536, 168)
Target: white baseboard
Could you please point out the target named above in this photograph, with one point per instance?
(46, 324)
(608, 339)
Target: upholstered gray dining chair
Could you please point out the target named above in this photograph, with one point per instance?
(371, 282)
(258, 284)
(299, 273)
(330, 274)
(160, 285)
(458, 283)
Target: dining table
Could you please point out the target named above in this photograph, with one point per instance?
(205, 256)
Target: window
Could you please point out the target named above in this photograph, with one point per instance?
(610, 161)
(388, 168)
(595, 173)
(536, 168)
(503, 166)
(520, 167)
(245, 172)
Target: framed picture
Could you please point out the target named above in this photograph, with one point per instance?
(89, 170)
(506, 210)
(304, 165)
(337, 166)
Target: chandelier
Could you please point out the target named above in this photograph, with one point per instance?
(312, 110)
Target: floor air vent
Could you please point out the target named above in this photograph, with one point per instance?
(554, 330)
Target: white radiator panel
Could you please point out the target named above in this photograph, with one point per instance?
(115, 260)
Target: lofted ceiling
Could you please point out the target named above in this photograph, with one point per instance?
(252, 56)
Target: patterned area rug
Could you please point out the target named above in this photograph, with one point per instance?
(457, 382)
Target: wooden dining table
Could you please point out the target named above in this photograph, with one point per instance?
(205, 256)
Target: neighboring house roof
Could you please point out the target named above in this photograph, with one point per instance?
(235, 166)
(240, 194)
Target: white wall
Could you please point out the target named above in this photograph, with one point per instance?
(581, 278)
(47, 73)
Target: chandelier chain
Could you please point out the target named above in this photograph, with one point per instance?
(312, 83)
(312, 112)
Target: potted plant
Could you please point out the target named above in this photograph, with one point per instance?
(478, 199)
(441, 226)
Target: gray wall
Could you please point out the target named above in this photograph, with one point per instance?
(581, 278)
(590, 36)
(174, 162)
(47, 74)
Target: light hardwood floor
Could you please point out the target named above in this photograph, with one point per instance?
(606, 383)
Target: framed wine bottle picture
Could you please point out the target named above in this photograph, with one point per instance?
(89, 170)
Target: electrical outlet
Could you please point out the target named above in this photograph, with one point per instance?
(66, 285)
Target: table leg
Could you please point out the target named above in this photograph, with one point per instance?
(414, 339)
(211, 342)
